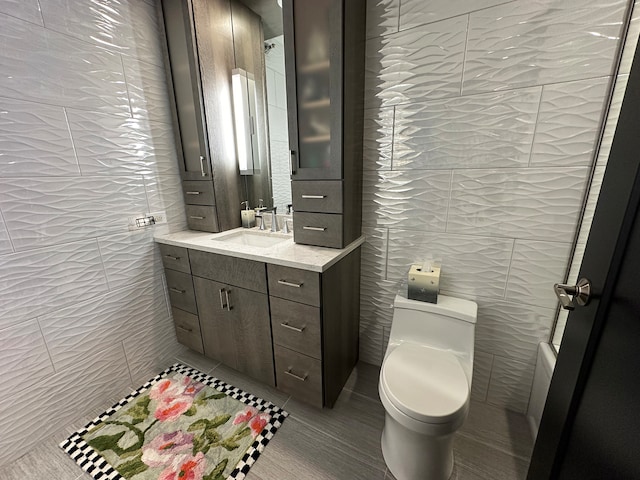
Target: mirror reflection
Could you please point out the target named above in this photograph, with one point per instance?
(263, 59)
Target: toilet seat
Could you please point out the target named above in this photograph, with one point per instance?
(425, 384)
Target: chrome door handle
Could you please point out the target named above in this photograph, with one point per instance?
(290, 284)
(185, 329)
(192, 193)
(315, 229)
(222, 304)
(202, 166)
(226, 294)
(314, 197)
(292, 162)
(567, 294)
(176, 290)
(171, 257)
(196, 217)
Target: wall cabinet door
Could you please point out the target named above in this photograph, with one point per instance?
(236, 327)
(314, 66)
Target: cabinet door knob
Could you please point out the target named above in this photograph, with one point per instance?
(290, 284)
(289, 372)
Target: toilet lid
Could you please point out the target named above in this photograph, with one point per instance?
(426, 384)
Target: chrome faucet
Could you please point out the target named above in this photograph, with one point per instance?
(274, 219)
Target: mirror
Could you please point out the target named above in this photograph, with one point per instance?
(259, 22)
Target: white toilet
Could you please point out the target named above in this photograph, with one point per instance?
(425, 382)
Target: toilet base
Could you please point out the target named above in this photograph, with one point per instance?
(414, 456)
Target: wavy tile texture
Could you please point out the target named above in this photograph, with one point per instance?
(24, 356)
(47, 211)
(41, 281)
(504, 98)
(415, 64)
(107, 23)
(83, 305)
(519, 203)
(109, 145)
(568, 123)
(382, 17)
(48, 67)
(385, 202)
(479, 131)
(28, 10)
(541, 41)
(35, 140)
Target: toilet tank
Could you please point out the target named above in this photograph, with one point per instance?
(448, 325)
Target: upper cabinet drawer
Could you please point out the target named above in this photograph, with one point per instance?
(294, 284)
(198, 192)
(321, 229)
(175, 258)
(202, 217)
(321, 196)
(234, 271)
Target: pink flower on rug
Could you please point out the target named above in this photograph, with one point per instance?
(185, 467)
(174, 397)
(244, 417)
(258, 423)
(164, 447)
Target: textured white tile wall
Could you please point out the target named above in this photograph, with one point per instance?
(479, 134)
(85, 140)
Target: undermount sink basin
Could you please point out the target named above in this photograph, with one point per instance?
(253, 239)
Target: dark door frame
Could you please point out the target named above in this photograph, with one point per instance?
(616, 211)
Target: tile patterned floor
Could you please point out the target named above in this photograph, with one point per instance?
(329, 444)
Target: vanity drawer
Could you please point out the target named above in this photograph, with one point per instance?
(299, 375)
(321, 229)
(202, 217)
(317, 196)
(239, 272)
(296, 326)
(187, 329)
(294, 284)
(198, 193)
(181, 292)
(175, 258)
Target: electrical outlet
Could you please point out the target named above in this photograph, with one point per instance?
(159, 217)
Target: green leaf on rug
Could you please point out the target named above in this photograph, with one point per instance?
(197, 425)
(212, 435)
(132, 467)
(229, 444)
(191, 412)
(217, 421)
(216, 473)
(106, 442)
(140, 411)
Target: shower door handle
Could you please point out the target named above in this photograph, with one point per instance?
(568, 294)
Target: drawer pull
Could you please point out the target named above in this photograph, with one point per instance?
(222, 304)
(314, 197)
(171, 257)
(192, 193)
(290, 284)
(195, 217)
(315, 229)
(185, 329)
(297, 377)
(176, 290)
(291, 327)
(202, 166)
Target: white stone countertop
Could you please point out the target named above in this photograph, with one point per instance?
(285, 253)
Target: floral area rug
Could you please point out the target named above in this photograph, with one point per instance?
(181, 425)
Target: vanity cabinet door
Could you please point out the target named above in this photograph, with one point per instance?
(236, 328)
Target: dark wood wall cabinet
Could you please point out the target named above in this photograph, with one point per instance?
(324, 60)
(292, 328)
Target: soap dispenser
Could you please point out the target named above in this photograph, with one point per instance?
(248, 216)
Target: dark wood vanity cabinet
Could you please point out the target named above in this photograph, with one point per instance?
(324, 61)
(292, 328)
